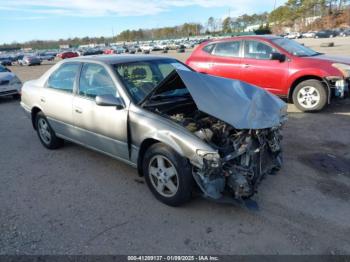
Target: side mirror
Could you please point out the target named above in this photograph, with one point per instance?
(278, 56)
(109, 100)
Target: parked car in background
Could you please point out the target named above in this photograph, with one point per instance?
(114, 50)
(326, 34)
(10, 85)
(146, 48)
(90, 51)
(5, 61)
(45, 56)
(159, 116)
(345, 33)
(310, 34)
(293, 35)
(284, 67)
(161, 46)
(181, 48)
(132, 49)
(30, 60)
(67, 54)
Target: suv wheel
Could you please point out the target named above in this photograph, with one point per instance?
(310, 95)
(168, 175)
(46, 135)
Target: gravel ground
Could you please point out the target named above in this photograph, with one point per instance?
(76, 201)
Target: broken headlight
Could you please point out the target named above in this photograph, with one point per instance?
(212, 157)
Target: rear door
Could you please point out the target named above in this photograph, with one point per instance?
(57, 97)
(258, 69)
(227, 59)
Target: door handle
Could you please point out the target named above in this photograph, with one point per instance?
(246, 65)
(42, 99)
(78, 110)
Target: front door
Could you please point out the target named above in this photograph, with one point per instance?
(103, 128)
(258, 69)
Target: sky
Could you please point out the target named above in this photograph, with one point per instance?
(24, 20)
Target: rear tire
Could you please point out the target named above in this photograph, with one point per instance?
(168, 175)
(45, 133)
(310, 95)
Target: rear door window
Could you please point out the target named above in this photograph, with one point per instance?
(64, 77)
(230, 49)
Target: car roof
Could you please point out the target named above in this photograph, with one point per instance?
(118, 59)
(266, 37)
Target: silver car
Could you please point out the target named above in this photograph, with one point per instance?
(10, 85)
(177, 127)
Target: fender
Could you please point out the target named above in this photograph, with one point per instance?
(308, 73)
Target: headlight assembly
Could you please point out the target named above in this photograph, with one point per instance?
(345, 69)
(212, 157)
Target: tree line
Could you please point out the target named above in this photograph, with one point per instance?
(326, 13)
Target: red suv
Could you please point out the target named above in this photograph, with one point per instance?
(284, 67)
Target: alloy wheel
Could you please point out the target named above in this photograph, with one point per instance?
(44, 131)
(163, 176)
(308, 97)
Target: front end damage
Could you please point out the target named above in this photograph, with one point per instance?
(240, 122)
(240, 160)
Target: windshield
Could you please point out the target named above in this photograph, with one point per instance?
(294, 48)
(140, 78)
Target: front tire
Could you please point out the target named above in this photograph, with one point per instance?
(168, 175)
(45, 133)
(310, 95)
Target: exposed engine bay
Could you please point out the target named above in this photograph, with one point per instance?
(244, 156)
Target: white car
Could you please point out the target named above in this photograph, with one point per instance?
(146, 48)
(310, 34)
(293, 35)
(10, 85)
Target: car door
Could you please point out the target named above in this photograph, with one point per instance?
(258, 69)
(227, 59)
(103, 128)
(57, 96)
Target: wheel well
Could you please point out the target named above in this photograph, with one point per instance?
(147, 143)
(35, 111)
(298, 81)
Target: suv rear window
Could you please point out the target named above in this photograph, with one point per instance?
(208, 48)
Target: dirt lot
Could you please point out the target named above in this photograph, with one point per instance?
(75, 201)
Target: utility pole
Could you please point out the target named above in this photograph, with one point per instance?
(274, 5)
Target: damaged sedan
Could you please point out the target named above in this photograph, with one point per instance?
(179, 128)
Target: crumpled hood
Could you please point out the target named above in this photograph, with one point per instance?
(237, 103)
(332, 58)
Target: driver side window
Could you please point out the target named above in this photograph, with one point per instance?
(95, 81)
(257, 50)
